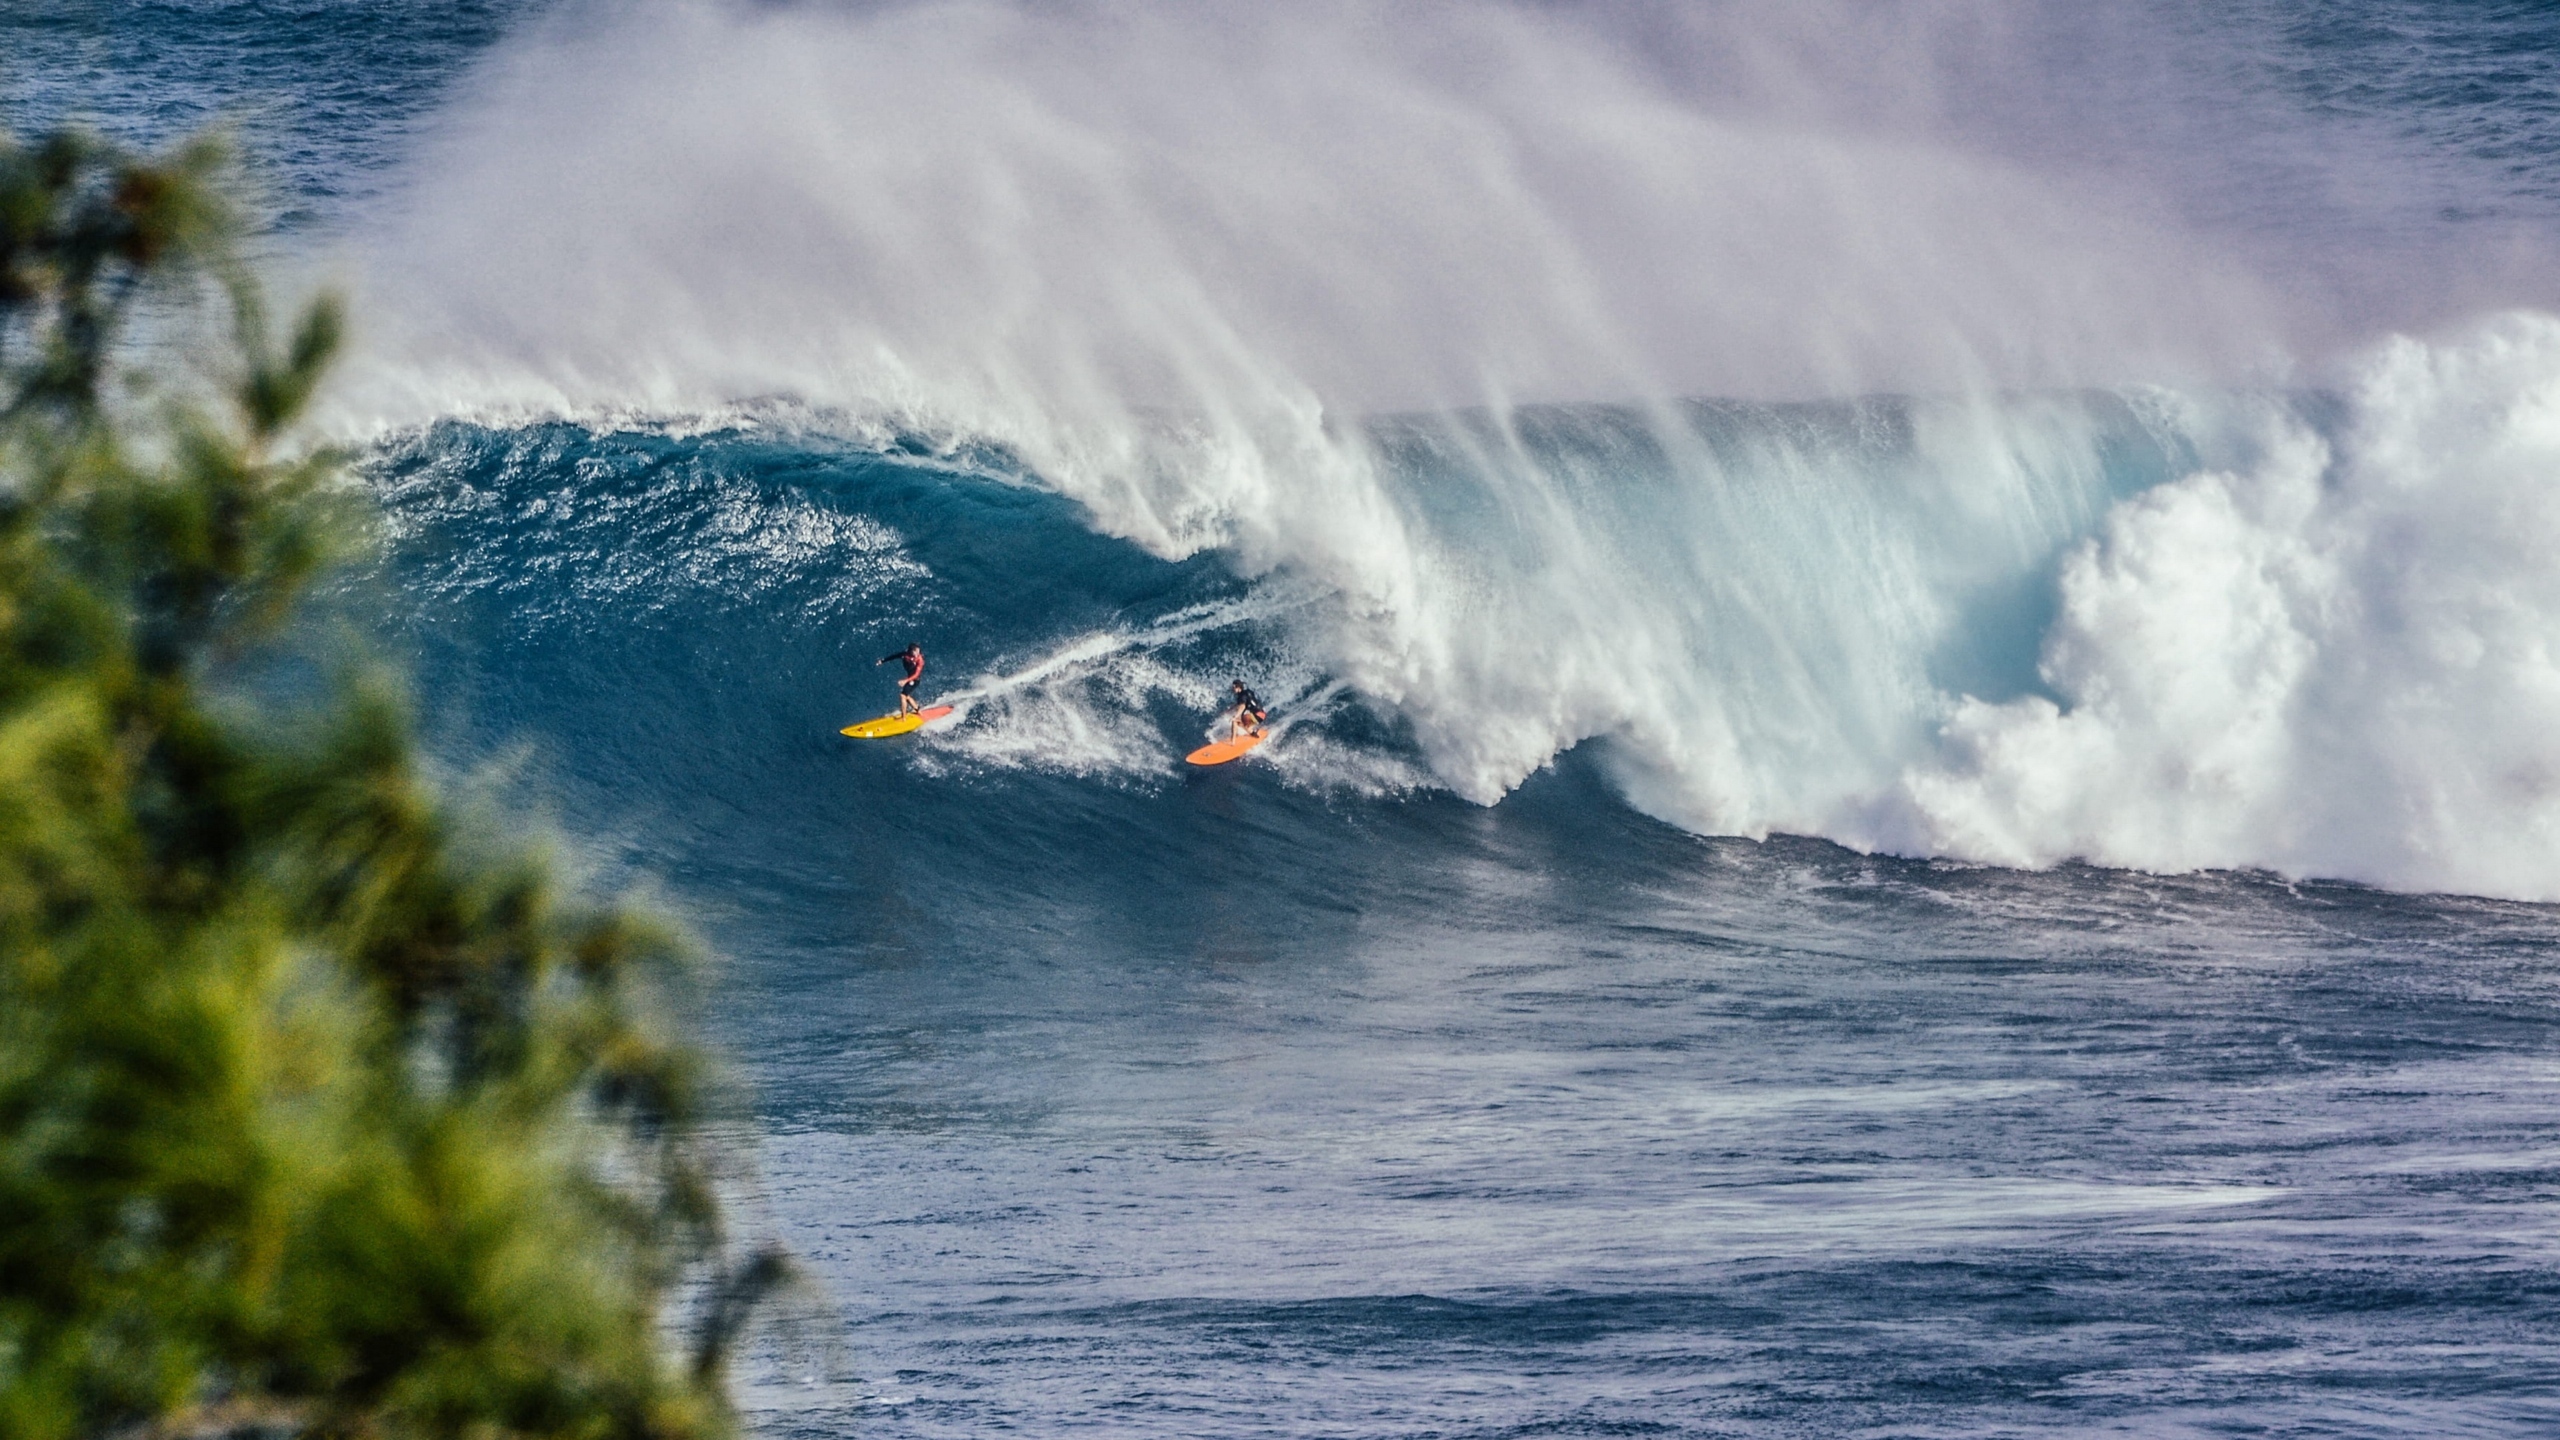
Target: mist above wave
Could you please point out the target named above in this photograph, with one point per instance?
(1046, 218)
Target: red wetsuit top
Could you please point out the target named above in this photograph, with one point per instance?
(914, 662)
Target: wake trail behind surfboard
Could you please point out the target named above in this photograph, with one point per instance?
(1086, 652)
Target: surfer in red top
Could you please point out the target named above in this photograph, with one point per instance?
(913, 658)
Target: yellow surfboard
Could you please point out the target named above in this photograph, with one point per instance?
(1225, 750)
(899, 724)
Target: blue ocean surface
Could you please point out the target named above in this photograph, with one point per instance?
(1167, 1103)
(1970, 909)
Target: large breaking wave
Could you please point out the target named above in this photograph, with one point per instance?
(2047, 519)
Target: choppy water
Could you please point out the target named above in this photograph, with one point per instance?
(1637, 1134)
(1456, 1065)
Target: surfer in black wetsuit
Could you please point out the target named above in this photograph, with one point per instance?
(1249, 712)
(913, 658)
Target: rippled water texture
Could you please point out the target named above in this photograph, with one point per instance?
(1575, 1127)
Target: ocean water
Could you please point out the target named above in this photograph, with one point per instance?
(1917, 787)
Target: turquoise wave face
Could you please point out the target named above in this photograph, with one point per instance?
(714, 599)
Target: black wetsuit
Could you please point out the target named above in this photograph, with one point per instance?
(914, 661)
(1249, 706)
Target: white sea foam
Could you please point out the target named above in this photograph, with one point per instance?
(2339, 661)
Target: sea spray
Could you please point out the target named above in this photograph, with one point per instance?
(1049, 223)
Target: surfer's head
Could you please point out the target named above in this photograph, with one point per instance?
(1237, 687)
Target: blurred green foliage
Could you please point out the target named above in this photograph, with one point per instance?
(316, 1117)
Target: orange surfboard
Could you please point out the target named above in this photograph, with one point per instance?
(1225, 750)
(895, 724)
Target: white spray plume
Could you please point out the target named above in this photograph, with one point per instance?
(1037, 220)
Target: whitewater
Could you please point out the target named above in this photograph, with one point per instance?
(1917, 779)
